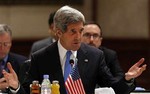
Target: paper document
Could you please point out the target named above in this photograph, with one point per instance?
(106, 90)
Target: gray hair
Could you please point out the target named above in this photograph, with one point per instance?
(67, 15)
(5, 29)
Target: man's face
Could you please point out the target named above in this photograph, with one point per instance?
(91, 35)
(5, 44)
(71, 39)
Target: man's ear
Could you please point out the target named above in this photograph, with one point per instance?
(101, 39)
(59, 33)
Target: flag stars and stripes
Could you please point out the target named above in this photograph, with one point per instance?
(74, 83)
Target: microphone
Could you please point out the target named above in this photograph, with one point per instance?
(71, 62)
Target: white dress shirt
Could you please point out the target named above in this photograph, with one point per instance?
(62, 55)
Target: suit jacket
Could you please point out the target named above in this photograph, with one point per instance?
(24, 70)
(91, 64)
(40, 44)
(16, 60)
(112, 62)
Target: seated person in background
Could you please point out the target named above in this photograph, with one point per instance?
(92, 35)
(69, 24)
(24, 71)
(38, 45)
(47, 41)
(6, 56)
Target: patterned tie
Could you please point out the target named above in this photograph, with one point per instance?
(67, 65)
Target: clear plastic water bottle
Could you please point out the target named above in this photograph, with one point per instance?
(46, 85)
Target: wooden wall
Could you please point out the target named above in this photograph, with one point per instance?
(39, 2)
(129, 51)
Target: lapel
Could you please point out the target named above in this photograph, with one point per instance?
(12, 62)
(57, 74)
(53, 56)
(82, 60)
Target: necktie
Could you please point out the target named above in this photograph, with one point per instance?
(1, 67)
(67, 65)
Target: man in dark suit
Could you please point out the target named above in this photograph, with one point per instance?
(6, 56)
(47, 41)
(69, 24)
(92, 35)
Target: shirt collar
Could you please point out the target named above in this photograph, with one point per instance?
(6, 58)
(62, 52)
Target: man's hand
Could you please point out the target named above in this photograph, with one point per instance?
(3, 84)
(11, 78)
(136, 70)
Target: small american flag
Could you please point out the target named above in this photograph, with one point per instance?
(74, 83)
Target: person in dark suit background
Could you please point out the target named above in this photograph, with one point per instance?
(6, 56)
(24, 68)
(37, 45)
(46, 41)
(69, 24)
(92, 35)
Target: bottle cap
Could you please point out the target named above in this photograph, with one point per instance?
(46, 76)
(55, 82)
(35, 82)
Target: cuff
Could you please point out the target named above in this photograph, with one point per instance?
(130, 81)
(14, 91)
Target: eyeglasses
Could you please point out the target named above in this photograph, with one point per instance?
(5, 44)
(88, 35)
